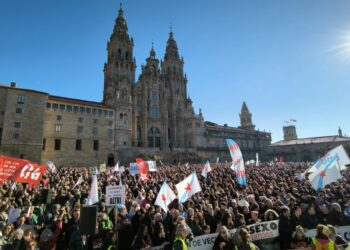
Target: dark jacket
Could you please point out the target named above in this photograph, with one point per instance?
(285, 230)
(229, 243)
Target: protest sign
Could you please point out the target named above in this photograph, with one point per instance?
(152, 167)
(115, 195)
(134, 169)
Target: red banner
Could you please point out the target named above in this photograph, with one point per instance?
(143, 168)
(10, 166)
(31, 173)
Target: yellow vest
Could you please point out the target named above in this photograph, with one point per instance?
(319, 246)
(252, 246)
(184, 245)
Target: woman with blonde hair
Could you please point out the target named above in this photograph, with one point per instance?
(245, 242)
(223, 241)
(322, 240)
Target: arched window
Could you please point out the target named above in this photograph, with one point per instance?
(126, 55)
(153, 137)
(119, 54)
(121, 116)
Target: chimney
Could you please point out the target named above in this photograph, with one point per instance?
(13, 85)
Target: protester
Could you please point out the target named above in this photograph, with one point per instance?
(322, 240)
(223, 241)
(180, 240)
(272, 193)
(245, 242)
(300, 240)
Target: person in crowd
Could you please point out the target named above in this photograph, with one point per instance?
(300, 240)
(142, 240)
(337, 238)
(222, 202)
(223, 241)
(270, 215)
(322, 240)
(180, 239)
(285, 228)
(310, 220)
(244, 241)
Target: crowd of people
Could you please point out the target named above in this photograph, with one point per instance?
(273, 192)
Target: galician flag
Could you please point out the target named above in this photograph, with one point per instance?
(342, 160)
(79, 181)
(188, 187)
(51, 166)
(93, 195)
(206, 169)
(116, 167)
(238, 162)
(328, 172)
(165, 197)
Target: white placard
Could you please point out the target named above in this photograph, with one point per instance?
(115, 195)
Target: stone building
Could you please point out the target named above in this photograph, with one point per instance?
(152, 116)
(305, 149)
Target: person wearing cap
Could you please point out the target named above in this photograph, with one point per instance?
(180, 240)
(322, 240)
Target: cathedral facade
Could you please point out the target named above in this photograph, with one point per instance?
(154, 111)
(151, 116)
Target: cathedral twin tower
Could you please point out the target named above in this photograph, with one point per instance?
(154, 111)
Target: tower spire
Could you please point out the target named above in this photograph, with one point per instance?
(246, 118)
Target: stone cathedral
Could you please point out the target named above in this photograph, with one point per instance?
(151, 116)
(155, 110)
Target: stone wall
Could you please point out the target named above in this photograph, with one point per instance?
(22, 121)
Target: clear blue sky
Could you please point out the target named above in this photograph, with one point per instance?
(281, 57)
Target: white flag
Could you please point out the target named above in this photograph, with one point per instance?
(80, 180)
(188, 187)
(116, 167)
(51, 166)
(93, 195)
(328, 172)
(217, 160)
(237, 160)
(95, 171)
(206, 169)
(257, 160)
(165, 197)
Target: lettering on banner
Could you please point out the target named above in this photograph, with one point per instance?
(28, 172)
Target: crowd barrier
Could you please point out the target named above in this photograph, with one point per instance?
(263, 233)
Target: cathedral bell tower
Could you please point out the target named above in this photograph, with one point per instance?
(175, 84)
(119, 78)
(246, 118)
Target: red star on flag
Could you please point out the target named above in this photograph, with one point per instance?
(238, 161)
(323, 174)
(163, 197)
(188, 188)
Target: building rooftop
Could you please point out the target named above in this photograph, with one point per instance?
(20, 89)
(77, 101)
(321, 139)
(214, 126)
